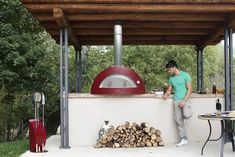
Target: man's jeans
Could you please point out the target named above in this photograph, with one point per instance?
(180, 114)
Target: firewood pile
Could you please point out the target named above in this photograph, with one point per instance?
(131, 135)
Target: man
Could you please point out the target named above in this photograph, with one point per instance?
(180, 83)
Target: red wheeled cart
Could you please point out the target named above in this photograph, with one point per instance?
(37, 132)
(37, 136)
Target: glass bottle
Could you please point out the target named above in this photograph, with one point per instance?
(218, 107)
(214, 89)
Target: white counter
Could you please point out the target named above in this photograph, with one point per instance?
(87, 113)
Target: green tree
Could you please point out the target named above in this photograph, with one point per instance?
(28, 63)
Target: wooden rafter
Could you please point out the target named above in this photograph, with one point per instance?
(62, 21)
(130, 1)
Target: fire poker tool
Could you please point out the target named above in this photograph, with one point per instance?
(37, 99)
(43, 108)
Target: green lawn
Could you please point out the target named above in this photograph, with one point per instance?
(14, 149)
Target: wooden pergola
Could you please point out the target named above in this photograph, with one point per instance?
(143, 22)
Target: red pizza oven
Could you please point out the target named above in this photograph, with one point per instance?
(118, 80)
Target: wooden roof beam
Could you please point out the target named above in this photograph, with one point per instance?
(130, 1)
(133, 8)
(62, 21)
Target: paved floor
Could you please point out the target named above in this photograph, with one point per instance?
(192, 150)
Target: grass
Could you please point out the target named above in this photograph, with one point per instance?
(13, 149)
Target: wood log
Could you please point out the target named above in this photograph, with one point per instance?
(155, 144)
(147, 129)
(127, 125)
(116, 145)
(145, 124)
(158, 132)
(153, 137)
(161, 143)
(159, 139)
(148, 143)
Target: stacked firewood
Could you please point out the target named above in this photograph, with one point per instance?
(131, 135)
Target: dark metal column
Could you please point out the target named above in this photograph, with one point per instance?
(226, 72)
(231, 67)
(202, 71)
(64, 124)
(78, 59)
(228, 68)
(80, 71)
(200, 81)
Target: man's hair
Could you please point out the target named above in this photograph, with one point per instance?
(171, 64)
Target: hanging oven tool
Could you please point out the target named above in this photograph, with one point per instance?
(37, 99)
(43, 109)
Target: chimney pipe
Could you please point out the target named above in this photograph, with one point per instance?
(117, 44)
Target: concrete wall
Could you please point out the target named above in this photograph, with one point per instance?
(88, 112)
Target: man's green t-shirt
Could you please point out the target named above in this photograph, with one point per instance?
(178, 82)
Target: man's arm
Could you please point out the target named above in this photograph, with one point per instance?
(189, 92)
(168, 92)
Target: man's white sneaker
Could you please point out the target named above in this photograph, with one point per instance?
(182, 143)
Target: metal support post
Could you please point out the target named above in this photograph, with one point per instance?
(64, 125)
(231, 77)
(226, 70)
(200, 81)
(202, 71)
(198, 73)
(78, 70)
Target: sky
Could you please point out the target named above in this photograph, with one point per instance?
(233, 44)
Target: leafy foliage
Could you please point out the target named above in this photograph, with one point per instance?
(28, 63)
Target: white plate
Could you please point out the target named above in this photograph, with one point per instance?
(159, 93)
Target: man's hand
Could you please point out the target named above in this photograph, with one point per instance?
(182, 103)
(168, 92)
(165, 97)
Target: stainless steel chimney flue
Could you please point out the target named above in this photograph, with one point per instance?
(117, 45)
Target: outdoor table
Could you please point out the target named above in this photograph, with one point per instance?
(227, 120)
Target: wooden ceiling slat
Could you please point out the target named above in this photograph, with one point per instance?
(151, 24)
(132, 8)
(144, 42)
(142, 32)
(125, 37)
(137, 17)
(135, 32)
